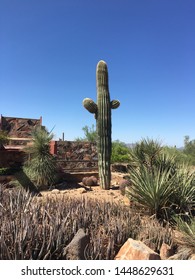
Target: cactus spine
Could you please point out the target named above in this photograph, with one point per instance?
(102, 111)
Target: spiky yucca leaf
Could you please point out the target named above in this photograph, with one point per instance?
(145, 152)
(184, 195)
(187, 229)
(152, 190)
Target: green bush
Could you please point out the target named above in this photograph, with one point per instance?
(120, 152)
(179, 155)
(189, 149)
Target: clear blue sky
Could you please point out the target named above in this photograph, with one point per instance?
(49, 50)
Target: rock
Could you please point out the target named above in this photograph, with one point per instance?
(123, 184)
(76, 248)
(55, 191)
(166, 251)
(183, 253)
(136, 250)
(82, 190)
(119, 167)
(84, 180)
(90, 181)
(192, 257)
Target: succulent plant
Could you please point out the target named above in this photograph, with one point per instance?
(102, 112)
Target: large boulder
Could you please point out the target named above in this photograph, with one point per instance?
(76, 248)
(136, 250)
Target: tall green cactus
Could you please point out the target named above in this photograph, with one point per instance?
(102, 111)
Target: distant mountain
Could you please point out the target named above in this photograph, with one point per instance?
(130, 145)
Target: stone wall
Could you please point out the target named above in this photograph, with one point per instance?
(11, 158)
(75, 156)
(19, 127)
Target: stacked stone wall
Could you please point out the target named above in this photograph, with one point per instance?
(19, 127)
(75, 156)
(11, 158)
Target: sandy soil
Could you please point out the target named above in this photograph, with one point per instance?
(77, 190)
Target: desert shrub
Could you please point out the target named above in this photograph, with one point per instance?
(189, 149)
(159, 183)
(90, 134)
(120, 152)
(39, 228)
(154, 234)
(178, 154)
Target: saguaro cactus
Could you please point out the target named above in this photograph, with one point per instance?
(102, 111)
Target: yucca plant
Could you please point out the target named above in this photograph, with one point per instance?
(152, 190)
(183, 199)
(159, 182)
(40, 166)
(186, 238)
(146, 152)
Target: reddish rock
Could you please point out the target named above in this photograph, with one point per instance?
(136, 250)
(192, 257)
(165, 251)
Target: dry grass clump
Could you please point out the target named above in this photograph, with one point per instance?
(37, 228)
(154, 234)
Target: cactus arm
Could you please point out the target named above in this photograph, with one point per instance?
(114, 104)
(90, 105)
